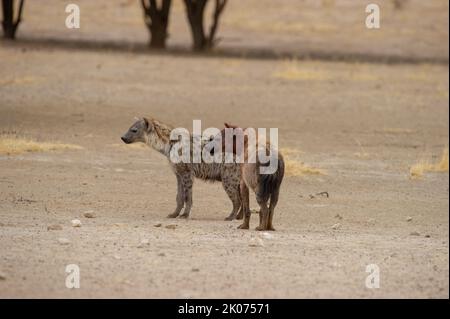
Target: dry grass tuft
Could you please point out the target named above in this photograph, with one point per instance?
(294, 167)
(291, 70)
(136, 146)
(424, 166)
(394, 130)
(297, 168)
(13, 145)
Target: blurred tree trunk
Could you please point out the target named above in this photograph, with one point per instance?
(157, 20)
(8, 23)
(195, 10)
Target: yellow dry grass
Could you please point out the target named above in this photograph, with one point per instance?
(291, 70)
(136, 146)
(425, 166)
(295, 167)
(14, 145)
(395, 130)
(20, 81)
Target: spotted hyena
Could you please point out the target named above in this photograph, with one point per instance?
(157, 135)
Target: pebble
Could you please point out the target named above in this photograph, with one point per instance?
(267, 235)
(415, 233)
(89, 214)
(256, 242)
(54, 227)
(336, 226)
(157, 225)
(338, 216)
(116, 257)
(63, 241)
(76, 223)
(195, 269)
(2, 276)
(171, 226)
(409, 218)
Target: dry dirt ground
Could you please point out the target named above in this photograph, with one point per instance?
(363, 125)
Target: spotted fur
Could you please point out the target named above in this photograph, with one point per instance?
(157, 135)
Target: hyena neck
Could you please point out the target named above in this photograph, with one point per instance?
(159, 138)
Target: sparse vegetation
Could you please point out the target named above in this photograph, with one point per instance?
(425, 166)
(11, 144)
(295, 167)
(291, 70)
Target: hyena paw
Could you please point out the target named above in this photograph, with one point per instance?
(173, 215)
(184, 216)
(260, 228)
(243, 226)
(229, 218)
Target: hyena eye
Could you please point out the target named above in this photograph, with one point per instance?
(134, 130)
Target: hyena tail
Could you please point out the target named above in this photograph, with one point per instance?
(269, 184)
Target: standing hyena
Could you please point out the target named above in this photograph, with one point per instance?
(157, 135)
(265, 186)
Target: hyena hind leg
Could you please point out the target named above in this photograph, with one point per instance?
(187, 187)
(180, 198)
(263, 214)
(273, 203)
(233, 193)
(245, 199)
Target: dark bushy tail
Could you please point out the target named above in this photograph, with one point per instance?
(269, 184)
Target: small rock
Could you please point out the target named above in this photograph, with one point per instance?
(171, 226)
(256, 242)
(157, 225)
(89, 214)
(162, 254)
(427, 236)
(195, 269)
(409, 218)
(266, 235)
(336, 226)
(63, 241)
(338, 216)
(75, 223)
(54, 227)
(1, 224)
(415, 233)
(143, 243)
(2, 276)
(116, 257)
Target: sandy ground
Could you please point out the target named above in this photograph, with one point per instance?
(363, 124)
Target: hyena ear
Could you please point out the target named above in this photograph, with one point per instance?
(229, 125)
(147, 124)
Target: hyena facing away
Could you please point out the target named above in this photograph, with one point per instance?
(157, 135)
(265, 186)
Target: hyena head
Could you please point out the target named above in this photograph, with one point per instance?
(138, 132)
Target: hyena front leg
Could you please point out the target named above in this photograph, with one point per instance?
(187, 182)
(180, 198)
